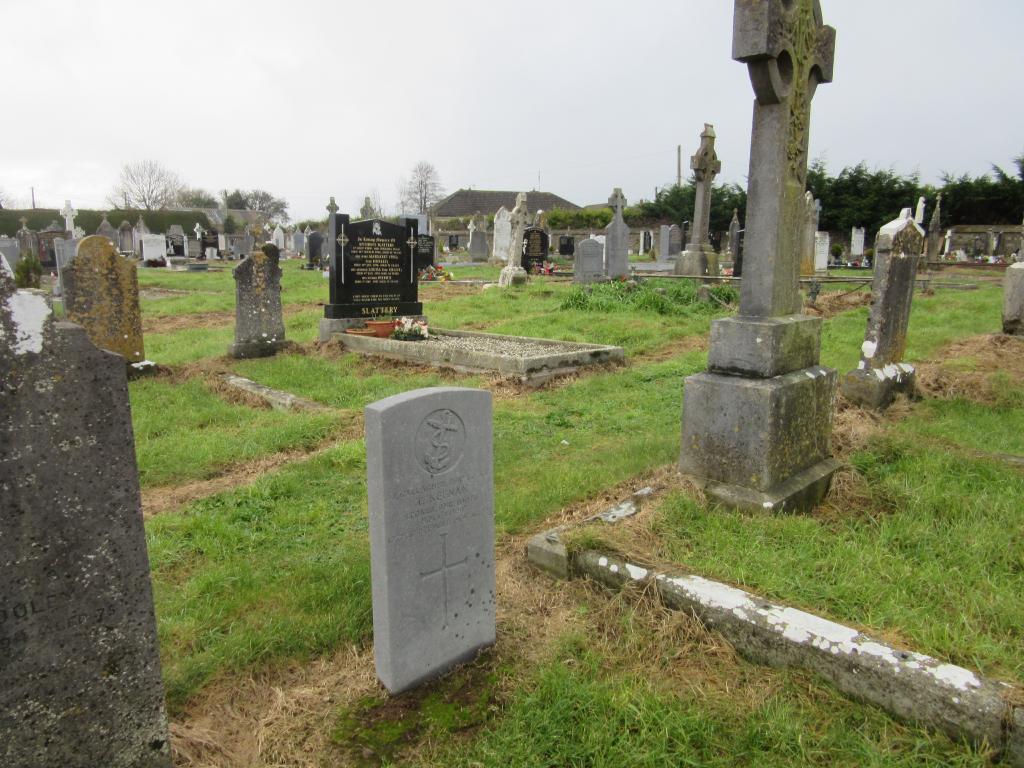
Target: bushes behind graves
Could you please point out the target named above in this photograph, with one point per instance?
(678, 297)
(28, 271)
(585, 218)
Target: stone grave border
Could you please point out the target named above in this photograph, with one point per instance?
(565, 357)
(912, 687)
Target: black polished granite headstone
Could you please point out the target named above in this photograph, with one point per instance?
(373, 270)
(314, 249)
(424, 252)
(80, 683)
(566, 245)
(535, 248)
(453, 242)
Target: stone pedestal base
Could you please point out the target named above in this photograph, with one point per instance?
(760, 443)
(877, 387)
(242, 350)
(697, 263)
(329, 326)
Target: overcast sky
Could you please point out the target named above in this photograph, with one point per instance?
(312, 98)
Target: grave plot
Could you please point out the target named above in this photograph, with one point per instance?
(531, 361)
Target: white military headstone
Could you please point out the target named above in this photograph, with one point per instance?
(822, 243)
(430, 488)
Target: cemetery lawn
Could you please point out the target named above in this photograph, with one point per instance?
(925, 549)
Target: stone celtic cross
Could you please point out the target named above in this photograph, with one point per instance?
(617, 201)
(705, 166)
(69, 213)
(332, 207)
(788, 52)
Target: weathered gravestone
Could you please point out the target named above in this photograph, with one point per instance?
(616, 248)
(756, 426)
(933, 243)
(675, 242)
(101, 294)
(106, 229)
(663, 242)
(277, 238)
(535, 249)
(822, 245)
(430, 488)
(5, 266)
(588, 264)
(80, 683)
(734, 243)
(372, 272)
(812, 212)
(298, 240)
(520, 220)
(1013, 299)
(502, 237)
(857, 242)
(881, 374)
(153, 249)
(259, 323)
(700, 258)
(125, 238)
(477, 242)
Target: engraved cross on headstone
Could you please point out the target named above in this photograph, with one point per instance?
(411, 242)
(69, 214)
(705, 166)
(788, 52)
(443, 570)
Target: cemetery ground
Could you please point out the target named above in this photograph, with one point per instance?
(257, 532)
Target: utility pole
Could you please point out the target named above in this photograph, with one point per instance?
(33, 197)
(679, 165)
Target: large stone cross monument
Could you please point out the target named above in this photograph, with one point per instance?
(756, 425)
(699, 257)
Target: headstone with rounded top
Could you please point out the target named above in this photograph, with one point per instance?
(430, 491)
(588, 263)
(502, 236)
(101, 294)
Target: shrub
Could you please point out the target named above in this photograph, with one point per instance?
(28, 272)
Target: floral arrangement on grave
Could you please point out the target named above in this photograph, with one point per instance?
(409, 329)
(432, 274)
(547, 268)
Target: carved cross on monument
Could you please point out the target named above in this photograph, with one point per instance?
(198, 229)
(24, 223)
(705, 166)
(332, 207)
(69, 214)
(788, 52)
(443, 570)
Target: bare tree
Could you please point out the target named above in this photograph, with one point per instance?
(6, 199)
(423, 189)
(146, 185)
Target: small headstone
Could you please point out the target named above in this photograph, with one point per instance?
(822, 244)
(520, 219)
(535, 248)
(920, 211)
(566, 245)
(511, 275)
(881, 374)
(477, 242)
(80, 681)
(453, 243)
(430, 490)
(425, 247)
(935, 231)
(675, 241)
(314, 249)
(663, 246)
(125, 238)
(811, 210)
(616, 248)
(502, 235)
(259, 322)
(101, 294)
(106, 229)
(298, 240)
(153, 248)
(857, 242)
(278, 237)
(588, 265)
(1013, 299)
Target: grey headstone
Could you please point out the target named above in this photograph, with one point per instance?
(705, 166)
(106, 229)
(259, 322)
(881, 374)
(857, 242)
(478, 245)
(430, 487)
(675, 241)
(588, 264)
(1013, 299)
(617, 239)
(11, 251)
(80, 683)
(663, 247)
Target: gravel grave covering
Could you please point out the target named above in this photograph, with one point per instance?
(508, 347)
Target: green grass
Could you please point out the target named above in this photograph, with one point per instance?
(574, 712)
(185, 432)
(279, 571)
